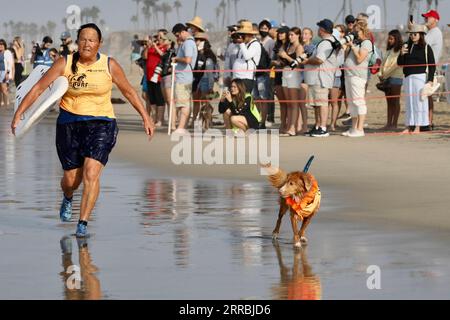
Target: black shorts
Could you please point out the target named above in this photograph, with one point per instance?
(85, 139)
(155, 94)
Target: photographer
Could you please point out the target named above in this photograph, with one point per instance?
(67, 45)
(320, 75)
(249, 55)
(156, 49)
(231, 54)
(356, 76)
(166, 82)
(40, 55)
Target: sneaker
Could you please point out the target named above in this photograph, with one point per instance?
(356, 134)
(319, 133)
(344, 116)
(310, 132)
(181, 132)
(81, 230)
(346, 133)
(65, 212)
(269, 124)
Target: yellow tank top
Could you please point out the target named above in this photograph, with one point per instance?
(89, 92)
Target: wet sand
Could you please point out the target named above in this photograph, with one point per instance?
(161, 231)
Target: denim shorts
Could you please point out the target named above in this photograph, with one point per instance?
(204, 86)
(337, 82)
(93, 139)
(395, 81)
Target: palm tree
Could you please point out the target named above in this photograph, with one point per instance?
(51, 26)
(301, 11)
(236, 17)
(209, 26)
(223, 7)
(218, 11)
(195, 8)
(147, 14)
(134, 19)
(85, 14)
(177, 5)
(102, 23)
(138, 2)
(5, 26)
(157, 9)
(385, 14)
(95, 13)
(165, 9)
(296, 12)
(228, 11)
(284, 5)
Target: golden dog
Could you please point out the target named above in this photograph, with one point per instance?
(300, 193)
(206, 115)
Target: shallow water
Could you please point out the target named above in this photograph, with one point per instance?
(154, 237)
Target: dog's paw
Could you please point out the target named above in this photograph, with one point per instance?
(304, 240)
(298, 244)
(274, 236)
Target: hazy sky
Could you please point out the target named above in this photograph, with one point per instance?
(117, 14)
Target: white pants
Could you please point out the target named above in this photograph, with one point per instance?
(355, 91)
(416, 109)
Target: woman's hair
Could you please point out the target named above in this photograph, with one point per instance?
(3, 42)
(362, 26)
(298, 32)
(208, 53)
(76, 55)
(19, 41)
(421, 43)
(310, 31)
(279, 44)
(240, 97)
(398, 40)
(342, 27)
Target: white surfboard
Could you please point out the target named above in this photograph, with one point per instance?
(49, 98)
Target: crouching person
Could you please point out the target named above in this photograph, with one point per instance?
(238, 109)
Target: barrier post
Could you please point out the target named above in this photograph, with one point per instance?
(172, 93)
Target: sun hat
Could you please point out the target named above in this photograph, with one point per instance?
(201, 35)
(196, 22)
(417, 28)
(246, 27)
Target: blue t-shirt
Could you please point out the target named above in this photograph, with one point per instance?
(2, 61)
(187, 49)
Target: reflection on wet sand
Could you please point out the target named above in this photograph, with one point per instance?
(298, 282)
(80, 282)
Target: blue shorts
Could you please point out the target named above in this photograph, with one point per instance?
(93, 139)
(395, 81)
(203, 86)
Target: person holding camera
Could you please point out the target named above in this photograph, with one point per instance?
(40, 55)
(319, 76)
(358, 51)
(291, 80)
(249, 55)
(185, 63)
(155, 51)
(166, 74)
(67, 45)
(237, 107)
(417, 57)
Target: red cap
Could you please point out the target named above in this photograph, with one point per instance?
(433, 14)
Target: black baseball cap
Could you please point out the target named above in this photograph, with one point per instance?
(283, 29)
(327, 25)
(350, 19)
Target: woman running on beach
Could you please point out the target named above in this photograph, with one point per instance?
(86, 128)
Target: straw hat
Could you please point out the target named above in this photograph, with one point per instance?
(246, 27)
(201, 35)
(417, 28)
(197, 22)
(169, 37)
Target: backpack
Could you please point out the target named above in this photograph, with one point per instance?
(264, 60)
(375, 59)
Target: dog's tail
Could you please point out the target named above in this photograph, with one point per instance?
(277, 177)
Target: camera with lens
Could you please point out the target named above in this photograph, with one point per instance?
(166, 67)
(294, 64)
(157, 73)
(351, 37)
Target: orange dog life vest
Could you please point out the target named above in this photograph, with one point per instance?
(309, 203)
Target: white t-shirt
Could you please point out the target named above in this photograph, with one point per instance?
(435, 41)
(247, 59)
(353, 69)
(325, 76)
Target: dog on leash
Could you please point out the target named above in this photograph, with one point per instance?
(206, 116)
(300, 194)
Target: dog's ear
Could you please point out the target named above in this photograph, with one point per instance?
(306, 178)
(277, 177)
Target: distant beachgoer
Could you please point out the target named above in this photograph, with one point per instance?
(414, 56)
(67, 45)
(40, 55)
(136, 47)
(86, 128)
(6, 72)
(435, 40)
(18, 50)
(392, 77)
